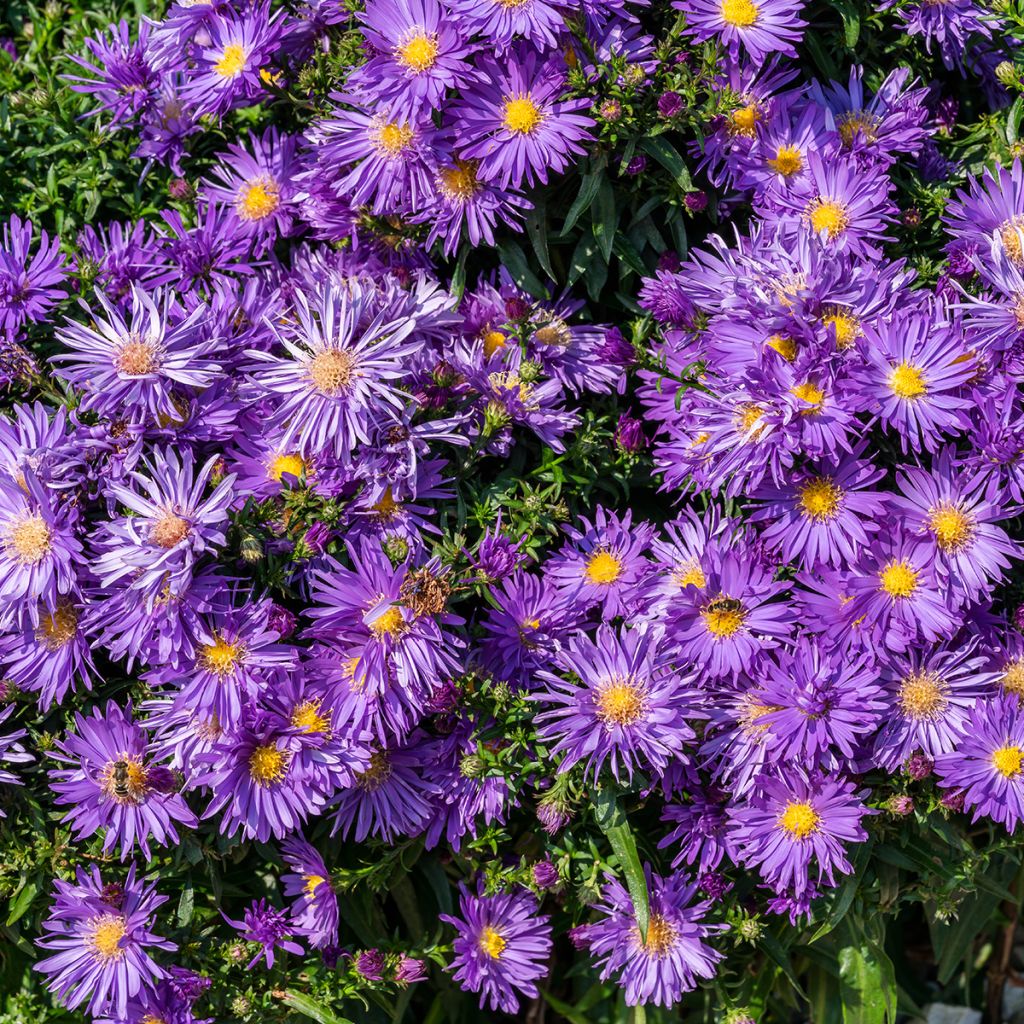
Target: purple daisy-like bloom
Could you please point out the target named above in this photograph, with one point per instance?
(123, 74)
(257, 182)
(541, 22)
(629, 707)
(29, 285)
(132, 365)
(38, 549)
(823, 513)
(758, 27)
(986, 765)
(172, 525)
(700, 836)
(419, 53)
(100, 937)
(931, 695)
(335, 380)
(990, 214)
(603, 564)
(11, 751)
(502, 947)
(390, 798)
(315, 908)
(723, 626)
(915, 370)
(949, 24)
(792, 823)
(517, 126)
(268, 927)
(257, 782)
(818, 703)
(954, 510)
(114, 785)
(674, 955)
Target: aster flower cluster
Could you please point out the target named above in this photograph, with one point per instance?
(366, 595)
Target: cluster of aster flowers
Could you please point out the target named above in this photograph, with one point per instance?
(227, 555)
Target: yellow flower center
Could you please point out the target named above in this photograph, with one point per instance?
(459, 183)
(307, 717)
(1009, 235)
(232, 61)
(491, 943)
(661, 936)
(898, 579)
(922, 695)
(168, 530)
(724, 616)
(521, 115)
(105, 935)
(858, 122)
(787, 162)
(392, 138)
(137, 357)
(846, 326)
(602, 568)
(267, 764)
(28, 538)
(744, 119)
(819, 499)
(387, 506)
(906, 381)
(748, 421)
(493, 340)
(1013, 676)
(1007, 761)
(332, 370)
(786, 347)
(258, 199)
(390, 622)
(291, 463)
(220, 657)
(58, 628)
(809, 393)
(620, 702)
(741, 13)
(689, 574)
(829, 216)
(377, 773)
(312, 883)
(953, 529)
(419, 53)
(152, 1018)
(799, 819)
(125, 780)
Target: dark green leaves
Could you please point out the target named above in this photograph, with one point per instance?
(611, 819)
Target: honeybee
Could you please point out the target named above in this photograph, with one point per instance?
(120, 783)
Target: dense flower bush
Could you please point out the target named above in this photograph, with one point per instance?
(510, 507)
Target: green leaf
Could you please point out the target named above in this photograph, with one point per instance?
(668, 156)
(22, 901)
(309, 1007)
(605, 218)
(1013, 120)
(186, 904)
(779, 955)
(612, 820)
(537, 231)
(867, 985)
(516, 264)
(566, 1010)
(588, 189)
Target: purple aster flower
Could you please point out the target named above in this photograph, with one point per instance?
(29, 285)
(315, 907)
(673, 956)
(113, 784)
(123, 74)
(931, 694)
(541, 22)
(723, 626)
(603, 564)
(629, 435)
(369, 964)
(544, 874)
(267, 926)
(38, 549)
(335, 380)
(758, 27)
(792, 825)
(100, 939)
(172, 525)
(954, 510)
(629, 706)
(502, 947)
(134, 366)
(990, 214)
(390, 798)
(410, 970)
(497, 556)
(258, 184)
(11, 751)
(211, 252)
(700, 835)
(669, 104)
(419, 53)
(823, 512)
(915, 369)
(949, 24)
(986, 765)
(518, 127)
